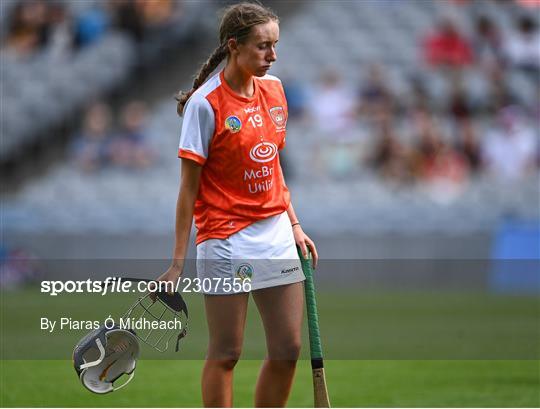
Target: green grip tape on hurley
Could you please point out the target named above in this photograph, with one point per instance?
(311, 305)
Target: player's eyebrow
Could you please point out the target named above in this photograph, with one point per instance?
(268, 42)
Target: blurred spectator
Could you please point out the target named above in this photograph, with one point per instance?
(436, 161)
(375, 96)
(447, 166)
(446, 175)
(91, 146)
(61, 36)
(332, 105)
(295, 93)
(34, 24)
(138, 17)
(459, 102)
(426, 139)
(27, 28)
(129, 18)
(487, 42)
(446, 46)
(442, 170)
(500, 94)
(420, 98)
(391, 159)
(467, 145)
(91, 25)
(339, 160)
(129, 148)
(157, 12)
(510, 148)
(529, 3)
(523, 46)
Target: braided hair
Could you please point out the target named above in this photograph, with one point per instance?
(236, 23)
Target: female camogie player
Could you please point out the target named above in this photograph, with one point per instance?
(232, 183)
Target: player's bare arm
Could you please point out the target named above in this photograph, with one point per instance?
(189, 186)
(301, 238)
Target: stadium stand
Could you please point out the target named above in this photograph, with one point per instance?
(321, 37)
(99, 55)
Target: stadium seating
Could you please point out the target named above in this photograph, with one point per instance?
(320, 36)
(69, 81)
(68, 84)
(117, 201)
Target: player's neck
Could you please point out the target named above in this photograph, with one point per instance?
(238, 81)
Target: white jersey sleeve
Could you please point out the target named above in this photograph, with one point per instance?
(197, 129)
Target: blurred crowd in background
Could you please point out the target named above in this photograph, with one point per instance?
(72, 53)
(419, 139)
(102, 143)
(427, 152)
(387, 100)
(437, 142)
(61, 28)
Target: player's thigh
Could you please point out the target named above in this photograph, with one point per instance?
(281, 310)
(226, 319)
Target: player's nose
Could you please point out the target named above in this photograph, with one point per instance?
(271, 56)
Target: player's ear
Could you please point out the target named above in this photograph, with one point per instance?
(232, 44)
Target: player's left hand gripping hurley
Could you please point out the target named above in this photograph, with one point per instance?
(320, 390)
(107, 353)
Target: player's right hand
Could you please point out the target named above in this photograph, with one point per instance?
(172, 275)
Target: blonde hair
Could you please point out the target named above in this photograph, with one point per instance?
(236, 23)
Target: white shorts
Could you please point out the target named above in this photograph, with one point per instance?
(263, 254)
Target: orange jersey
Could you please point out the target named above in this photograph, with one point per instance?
(236, 140)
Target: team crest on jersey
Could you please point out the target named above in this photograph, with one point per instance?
(244, 271)
(278, 116)
(233, 124)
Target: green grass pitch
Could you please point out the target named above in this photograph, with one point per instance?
(357, 333)
(350, 383)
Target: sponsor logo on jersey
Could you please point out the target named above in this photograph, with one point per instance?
(233, 124)
(263, 152)
(290, 270)
(252, 110)
(244, 271)
(278, 116)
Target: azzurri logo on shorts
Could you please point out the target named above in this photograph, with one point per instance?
(290, 270)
